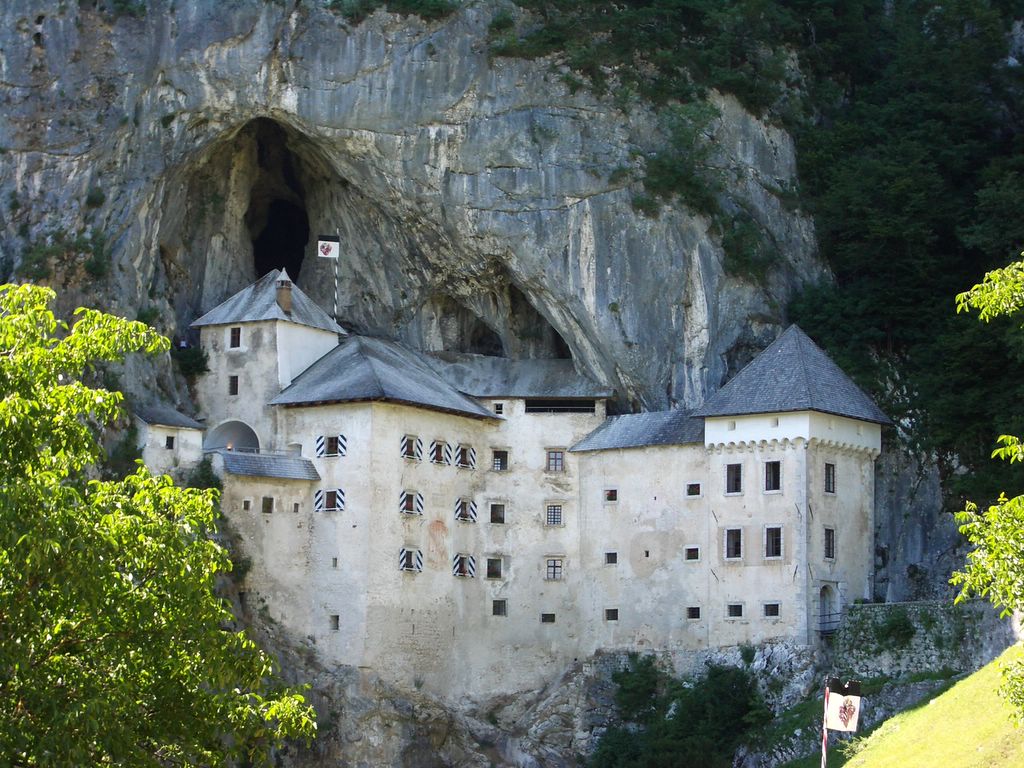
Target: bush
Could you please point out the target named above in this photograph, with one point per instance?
(191, 361)
(203, 476)
(95, 197)
(896, 630)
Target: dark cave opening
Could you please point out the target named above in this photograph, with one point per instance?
(277, 220)
(484, 340)
(282, 242)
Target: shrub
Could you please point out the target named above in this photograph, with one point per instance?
(191, 361)
(95, 197)
(203, 476)
(896, 630)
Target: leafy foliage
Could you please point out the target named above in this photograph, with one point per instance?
(671, 724)
(191, 361)
(357, 10)
(114, 646)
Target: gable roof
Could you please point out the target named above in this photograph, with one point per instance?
(485, 376)
(792, 374)
(259, 302)
(364, 368)
(269, 465)
(637, 430)
(166, 416)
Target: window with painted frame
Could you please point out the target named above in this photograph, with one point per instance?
(554, 568)
(772, 476)
(465, 510)
(410, 559)
(733, 543)
(553, 514)
(555, 460)
(772, 609)
(734, 610)
(691, 554)
(463, 566)
(773, 542)
(694, 491)
(465, 457)
(410, 503)
(499, 460)
(411, 447)
(733, 479)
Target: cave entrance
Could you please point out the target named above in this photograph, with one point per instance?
(277, 220)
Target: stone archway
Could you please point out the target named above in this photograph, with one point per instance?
(232, 436)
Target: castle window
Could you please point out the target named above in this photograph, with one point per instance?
(410, 560)
(334, 562)
(493, 567)
(830, 478)
(733, 543)
(734, 478)
(169, 442)
(232, 385)
(692, 490)
(268, 505)
(830, 543)
(553, 514)
(771, 610)
(246, 505)
(499, 607)
(331, 445)
(547, 618)
(295, 507)
(465, 457)
(440, 453)
(693, 612)
(556, 461)
(773, 542)
(554, 569)
(499, 409)
(412, 448)
(332, 500)
(499, 461)
(611, 558)
(464, 566)
(772, 476)
(611, 614)
(335, 620)
(236, 338)
(410, 503)
(498, 513)
(691, 554)
(465, 510)
(611, 495)
(734, 611)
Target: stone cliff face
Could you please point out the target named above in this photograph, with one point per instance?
(481, 205)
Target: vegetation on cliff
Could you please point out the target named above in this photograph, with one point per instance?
(115, 649)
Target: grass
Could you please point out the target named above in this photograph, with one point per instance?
(968, 726)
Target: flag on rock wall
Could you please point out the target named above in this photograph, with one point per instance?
(328, 246)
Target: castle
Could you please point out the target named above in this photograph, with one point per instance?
(473, 524)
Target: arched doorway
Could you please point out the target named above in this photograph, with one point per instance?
(828, 610)
(232, 436)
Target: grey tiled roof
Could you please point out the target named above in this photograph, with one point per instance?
(259, 302)
(636, 430)
(269, 465)
(166, 416)
(364, 368)
(792, 374)
(484, 376)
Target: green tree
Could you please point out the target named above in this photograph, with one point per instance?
(995, 567)
(114, 649)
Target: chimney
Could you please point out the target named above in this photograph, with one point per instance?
(284, 293)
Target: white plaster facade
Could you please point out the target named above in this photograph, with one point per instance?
(476, 580)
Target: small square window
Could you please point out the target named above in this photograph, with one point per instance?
(499, 408)
(693, 612)
(556, 461)
(611, 558)
(169, 442)
(772, 475)
(465, 457)
(773, 541)
(691, 554)
(499, 607)
(464, 566)
(333, 501)
(553, 514)
(499, 461)
(830, 543)
(611, 494)
(734, 544)
(771, 610)
(408, 502)
(734, 610)
(246, 505)
(335, 622)
(498, 513)
(465, 510)
(437, 452)
(554, 569)
(692, 490)
(332, 446)
(236, 338)
(493, 567)
(611, 614)
(734, 478)
(830, 478)
(268, 505)
(547, 618)
(232, 385)
(409, 447)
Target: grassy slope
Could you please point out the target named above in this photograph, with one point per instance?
(968, 726)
